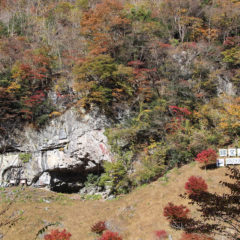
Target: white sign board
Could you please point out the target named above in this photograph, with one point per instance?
(23, 181)
(232, 161)
(232, 152)
(228, 156)
(220, 162)
(238, 152)
(13, 181)
(223, 152)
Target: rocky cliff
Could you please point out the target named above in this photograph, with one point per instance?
(59, 156)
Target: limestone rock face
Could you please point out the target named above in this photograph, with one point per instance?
(59, 155)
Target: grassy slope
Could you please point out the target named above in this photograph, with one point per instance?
(136, 216)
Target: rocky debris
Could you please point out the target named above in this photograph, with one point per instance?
(59, 156)
(115, 225)
(96, 190)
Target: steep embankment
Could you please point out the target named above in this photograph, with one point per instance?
(136, 215)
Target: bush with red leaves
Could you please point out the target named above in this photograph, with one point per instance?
(195, 185)
(207, 156)
(218, 213)
(108, 235)
(174, 212)
(190, 236)
(57, 235)
(99, 227)
(179, 111)
(161, 234)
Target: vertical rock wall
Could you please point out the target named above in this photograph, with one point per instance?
(60, 154)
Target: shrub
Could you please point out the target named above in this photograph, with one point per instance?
(195, 185)
(41, 120)
(161, 234)
(57, 235)
(108, 235)
(173, 212)
(99, 227)
(25, 157)
(219, 213)
(92, 180)
(231, 56)
(207, 156)
(116, 175)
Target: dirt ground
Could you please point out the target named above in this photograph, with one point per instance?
(135, 216)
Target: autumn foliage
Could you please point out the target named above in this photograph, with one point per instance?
(104, 26)
(58, 235)
(207, 156)
(218, 212)
(195, 185)
(179, 111)
(161, 234)
(108, 235)
(99, 227)
(173, 212)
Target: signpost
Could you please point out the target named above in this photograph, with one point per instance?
(229, 156)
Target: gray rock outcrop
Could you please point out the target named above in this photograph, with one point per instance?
(60, 155)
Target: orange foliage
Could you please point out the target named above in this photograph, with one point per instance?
(103, 26)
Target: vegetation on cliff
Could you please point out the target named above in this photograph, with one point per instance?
(174, 65)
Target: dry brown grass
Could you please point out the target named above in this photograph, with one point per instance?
(135, 216)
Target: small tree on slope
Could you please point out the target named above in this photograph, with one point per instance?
(220, 214)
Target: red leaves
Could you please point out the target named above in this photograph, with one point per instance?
(161, 234)
(57, 235)
(232, 41)
(108, 235)
(195, 185)
(35, 99)
(164, 45)
(99, 227)
(136, 63)
(188, 236)
(179, 116)
(35, 68)
(180, 112)
(207, 156)
(173, 212)
(142, 79)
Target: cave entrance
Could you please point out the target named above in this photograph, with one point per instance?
(70, 181)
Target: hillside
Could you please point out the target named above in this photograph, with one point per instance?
(144, 85)
(136, 215)
(114, 97)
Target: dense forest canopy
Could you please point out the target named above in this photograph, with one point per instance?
(174, 65)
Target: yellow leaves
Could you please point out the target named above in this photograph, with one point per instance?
(209, 34)
(14, 86)
(236, 77)
(55, 114)
(83, 87)
(82, 102)
(123, 71)
(230, 118)
(223, 113)
(61, 85)
(63, 8)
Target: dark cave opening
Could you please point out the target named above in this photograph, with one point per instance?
(71, 181)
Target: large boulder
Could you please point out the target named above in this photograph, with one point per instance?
(60, 155)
